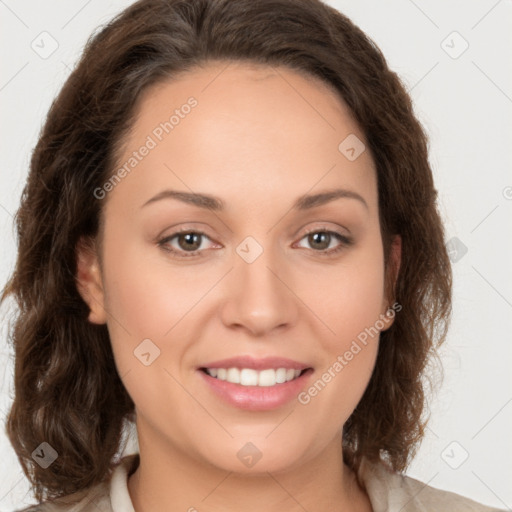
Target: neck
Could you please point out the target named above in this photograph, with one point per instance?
(167, 478)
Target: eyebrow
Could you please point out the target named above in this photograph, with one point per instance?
(304, 202)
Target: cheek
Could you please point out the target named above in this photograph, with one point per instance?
(349, 352)
(144, 293)
(149, 297)
(348, 297)
(145, 301)
(348, 301)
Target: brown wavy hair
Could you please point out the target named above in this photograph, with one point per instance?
(67, 391)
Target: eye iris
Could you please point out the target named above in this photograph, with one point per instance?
(194, 238)
(314, 238)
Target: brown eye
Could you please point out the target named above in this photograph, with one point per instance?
(320, 241)
(189, 243)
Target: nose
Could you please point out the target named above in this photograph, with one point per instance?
(260, 296)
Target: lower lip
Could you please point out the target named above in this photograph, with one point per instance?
(257, 398)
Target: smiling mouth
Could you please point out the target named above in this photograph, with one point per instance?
(250, 377)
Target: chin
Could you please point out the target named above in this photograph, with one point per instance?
(255, 456)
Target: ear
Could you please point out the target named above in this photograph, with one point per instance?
(89, 280)
(389, 309)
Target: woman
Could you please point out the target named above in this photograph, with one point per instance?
(169, 271)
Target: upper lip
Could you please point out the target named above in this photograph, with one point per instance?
(256, 364)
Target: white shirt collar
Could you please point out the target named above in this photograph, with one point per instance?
(388, 491)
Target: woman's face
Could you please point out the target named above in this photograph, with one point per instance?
(266, 270)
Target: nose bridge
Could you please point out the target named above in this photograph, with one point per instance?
(259, 299)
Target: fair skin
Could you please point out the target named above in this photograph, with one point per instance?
(257, 139)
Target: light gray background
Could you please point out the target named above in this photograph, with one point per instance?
(465, 103)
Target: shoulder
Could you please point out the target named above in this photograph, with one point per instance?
(94, 499)
(390, 491)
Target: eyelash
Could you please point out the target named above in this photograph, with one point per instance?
(344, 240)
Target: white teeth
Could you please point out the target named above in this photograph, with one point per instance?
(250, 377)
(233, 375)
(280, 375)
(267, 378)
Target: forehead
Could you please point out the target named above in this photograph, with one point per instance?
(254, 130)
(235, 84)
